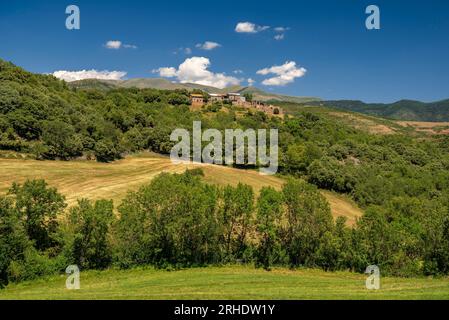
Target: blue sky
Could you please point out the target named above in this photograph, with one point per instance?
(407, 59)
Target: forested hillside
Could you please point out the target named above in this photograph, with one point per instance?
(401, 110)
(401, 182)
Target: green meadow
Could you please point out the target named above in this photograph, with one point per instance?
(234, 282)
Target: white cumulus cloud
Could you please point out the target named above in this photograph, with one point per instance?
(251, 82)
(70, 76)
(208, 45)
(166, 72)
(284, 74)
(195, 70)
(117, 44)
(113, 44)
(249, 27)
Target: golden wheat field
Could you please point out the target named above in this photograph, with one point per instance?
(92, 180)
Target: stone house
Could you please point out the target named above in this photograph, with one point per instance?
(197, 100)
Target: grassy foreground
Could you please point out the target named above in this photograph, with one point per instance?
(235, 282)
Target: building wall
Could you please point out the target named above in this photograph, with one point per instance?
(241, 102)
(196, 102)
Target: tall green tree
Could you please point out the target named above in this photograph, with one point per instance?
(39, 206)
(237, 214)
(90, 225)
(13, 238)
(269, 213)
(308, 218)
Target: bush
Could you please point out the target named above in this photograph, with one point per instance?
(34, 265)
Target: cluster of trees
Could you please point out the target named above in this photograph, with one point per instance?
(180, 221)
(40, 114)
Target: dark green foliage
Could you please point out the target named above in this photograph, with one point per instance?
(89, 226)
(400, 110)
(105, 151)
(35, 264)
(29, 245)
(307, 220)
(61, 140)
(39, 206)
(236, 219)
(269, 213)
(172, 221)
(13, 238)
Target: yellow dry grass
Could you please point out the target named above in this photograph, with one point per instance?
(426, 127)
(92, 180)
(341, 206)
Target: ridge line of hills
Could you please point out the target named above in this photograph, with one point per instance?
(164, 84)
(407, 110)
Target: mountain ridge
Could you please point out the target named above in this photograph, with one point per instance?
(164, 84)
(405, 109)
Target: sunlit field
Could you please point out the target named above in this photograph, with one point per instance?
(93, 180)
(236, 282)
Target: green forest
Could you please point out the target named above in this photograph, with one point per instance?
(401, 182)
(400, 110)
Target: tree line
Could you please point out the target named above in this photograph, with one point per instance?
(179, 221)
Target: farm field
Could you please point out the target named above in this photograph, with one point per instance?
(92, 180)
(234, 282)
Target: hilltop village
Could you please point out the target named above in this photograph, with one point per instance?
(236, 99)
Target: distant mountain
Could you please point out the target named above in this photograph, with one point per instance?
(164, 84)
(409, 110)
(267, 96)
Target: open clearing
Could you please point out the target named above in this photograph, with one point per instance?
(426, 127)
(235, 282)
(92, 180)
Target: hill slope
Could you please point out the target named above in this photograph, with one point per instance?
(164, 84)
(401, 110)
(88, 179)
